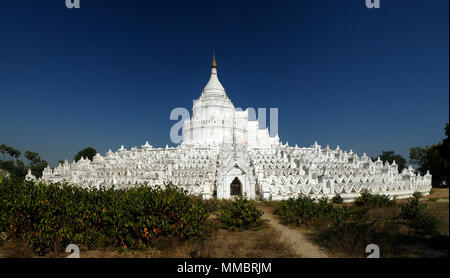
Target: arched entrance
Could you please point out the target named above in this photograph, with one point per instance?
(235, 187)
(235, 182)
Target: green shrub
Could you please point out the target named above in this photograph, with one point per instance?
(337, 199)
(415, 215)
(49, 217)
(366, 199)
(299, 211)
(304, 210)
(240, 214)
(323, 207)
(211, 205)
(413, 209)
(348, 214)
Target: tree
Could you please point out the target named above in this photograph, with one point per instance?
(444, 150)
(37, 167)
(88, 152)
(13, 153)
(32, 157)
(390, 156)
(7, 165)
(20, 170)
(417, 157)
(16, 167)
(3, 148)
(433, 158)
(17, 154)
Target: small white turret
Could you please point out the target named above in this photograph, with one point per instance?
(30, 176)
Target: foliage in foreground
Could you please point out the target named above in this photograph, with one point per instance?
(416, 217)
(49, 217)
(366, 199)
(303, 210)
(337, 199)
(240, 214)
(349, 228)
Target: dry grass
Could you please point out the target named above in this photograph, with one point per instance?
(439, 193)
(438, 205)
(441, 212)
(17, 249)
(264, 243)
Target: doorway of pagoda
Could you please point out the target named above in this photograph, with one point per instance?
(236, 187)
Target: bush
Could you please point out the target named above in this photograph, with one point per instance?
(299, 211)
(49, 217)
(337, 199)
(413, 208)
(323, 207)
(303, 210)
(241, 214)
(211, 205)
(370, 200)
(345, 214)
(414, 214)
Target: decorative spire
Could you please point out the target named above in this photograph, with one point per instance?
(214, 64)
(214, 85)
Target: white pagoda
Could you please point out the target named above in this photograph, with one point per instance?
(224, 154)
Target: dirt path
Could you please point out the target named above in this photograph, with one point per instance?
(300, 244)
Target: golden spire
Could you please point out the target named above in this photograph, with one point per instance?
(214, 64)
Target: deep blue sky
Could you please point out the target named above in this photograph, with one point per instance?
(110, 73)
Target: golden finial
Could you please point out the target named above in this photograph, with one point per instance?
(214, 64)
